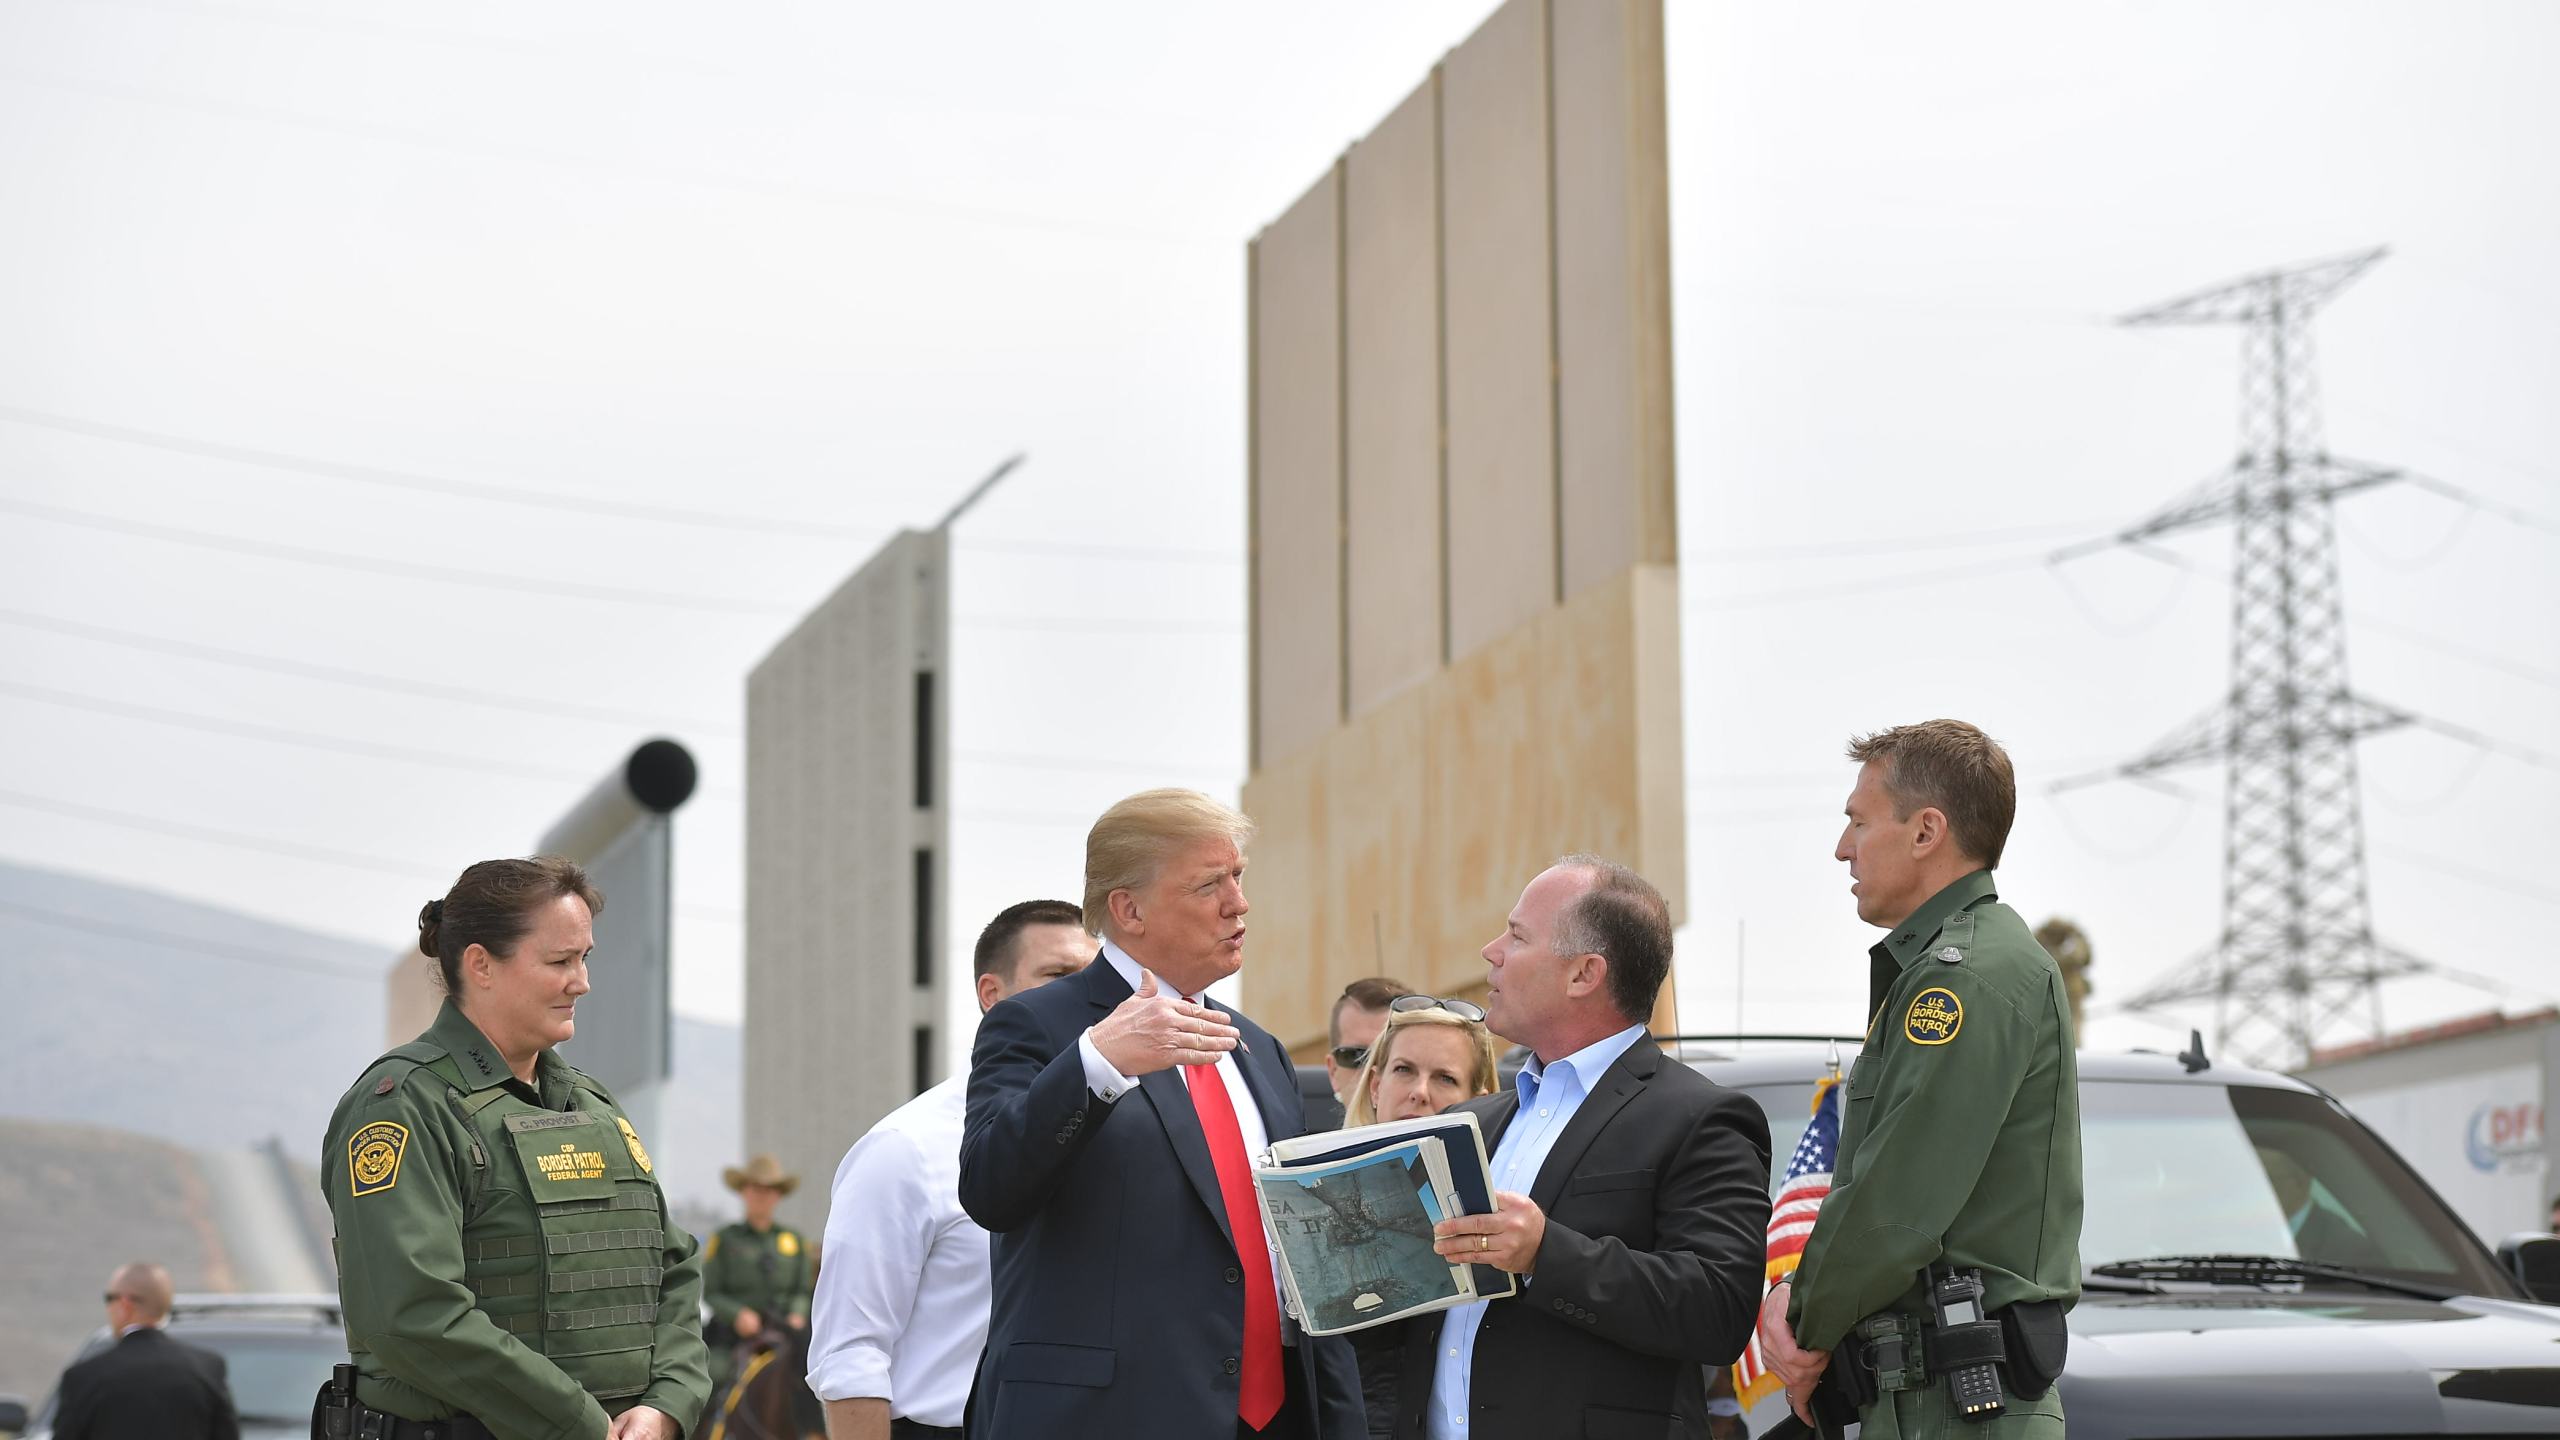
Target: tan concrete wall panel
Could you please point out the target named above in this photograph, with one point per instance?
(1408, 833)
(1613, 283)
(1501, 389)
(1391, 401)
(1297, 474)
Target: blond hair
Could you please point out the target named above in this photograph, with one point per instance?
(1134, 838)
(1485, 1079)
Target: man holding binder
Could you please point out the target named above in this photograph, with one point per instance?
(1113, 1118)
(1634, 1195)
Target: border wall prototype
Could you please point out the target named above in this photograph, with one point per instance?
(1464, 568)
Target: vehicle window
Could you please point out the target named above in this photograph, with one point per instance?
(2186, 1169)
(273, 1377)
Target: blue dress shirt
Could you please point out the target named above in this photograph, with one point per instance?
(1549, 1094)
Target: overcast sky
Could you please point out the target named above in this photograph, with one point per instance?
(551, 360)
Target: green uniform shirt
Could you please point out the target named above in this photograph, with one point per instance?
(1961, 1138)
(405, 1172)
(767, 1271)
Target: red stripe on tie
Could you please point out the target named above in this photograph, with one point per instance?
(1258, 1398)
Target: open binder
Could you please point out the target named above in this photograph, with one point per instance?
(1351, 1211)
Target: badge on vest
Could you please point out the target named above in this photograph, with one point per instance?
(1934, 1017)
(787, 1243)
(373, 1156)
(631, 1138)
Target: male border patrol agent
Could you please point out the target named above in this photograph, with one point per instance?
(1960, 1146)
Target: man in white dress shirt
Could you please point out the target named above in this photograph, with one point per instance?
(902, 1300)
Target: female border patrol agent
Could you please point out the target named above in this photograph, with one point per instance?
(506, 1265)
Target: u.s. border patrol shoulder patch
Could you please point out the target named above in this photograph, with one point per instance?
(631, 1138)
(1934, 1017)
(373, 1156)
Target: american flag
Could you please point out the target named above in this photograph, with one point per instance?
(1801, 1194)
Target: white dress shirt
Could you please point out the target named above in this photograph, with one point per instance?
(1108, 1083)
(902, 1300)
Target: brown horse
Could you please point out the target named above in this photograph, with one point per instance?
(758, 1403)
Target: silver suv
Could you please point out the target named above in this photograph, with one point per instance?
(2257, 1263)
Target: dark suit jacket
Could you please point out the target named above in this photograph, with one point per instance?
(147, 1386)
(1118, 1288)
(1657, 1205)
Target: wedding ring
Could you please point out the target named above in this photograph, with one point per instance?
(1484, 1242)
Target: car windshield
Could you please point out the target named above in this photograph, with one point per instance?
(274, 1375)
(2191, 1169)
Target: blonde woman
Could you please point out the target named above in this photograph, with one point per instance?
(1432, 1054)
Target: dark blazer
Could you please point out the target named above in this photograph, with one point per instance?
(147, 1386)
(1118, 1289)
(1657, 1205)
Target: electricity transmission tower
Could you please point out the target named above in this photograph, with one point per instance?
(2297, 953)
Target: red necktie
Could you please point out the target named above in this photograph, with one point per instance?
(1259, 1398)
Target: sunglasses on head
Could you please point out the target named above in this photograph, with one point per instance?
(1463, 1009)
(1351, 1057)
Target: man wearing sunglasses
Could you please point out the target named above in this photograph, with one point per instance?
(145, 1386)
(1357, 1018)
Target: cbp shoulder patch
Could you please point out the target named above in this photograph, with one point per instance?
(1934, 1017)
(373, 1156)
(631, 1138)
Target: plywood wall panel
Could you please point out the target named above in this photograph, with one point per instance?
(1406, 835)
(1391, 402)
(1501, 342)
(1613, 281)
(1297, 475)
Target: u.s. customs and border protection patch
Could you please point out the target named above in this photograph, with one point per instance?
(1934, 1017)
(631, 1138)
(373, 1156)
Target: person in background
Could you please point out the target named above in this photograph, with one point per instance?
(901, 1309)
(1429, 1055)
(756, 1277)
(505, 1261)
(1358, 1015)
(145, 1386)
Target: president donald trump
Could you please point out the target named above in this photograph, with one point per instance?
(1113, 1117)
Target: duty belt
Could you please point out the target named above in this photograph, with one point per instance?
(380, 1425)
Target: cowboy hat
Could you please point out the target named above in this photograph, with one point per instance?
(761, 1170)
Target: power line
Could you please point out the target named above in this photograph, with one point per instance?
(436, 485)
(229, 839)
(360, 679)
(278, 735)
(1952, 540)
(369, 565)
(1904, 581)
(1061, 762)
(660, 174)
(1083, 625)
(269, 845)
(185, 942)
